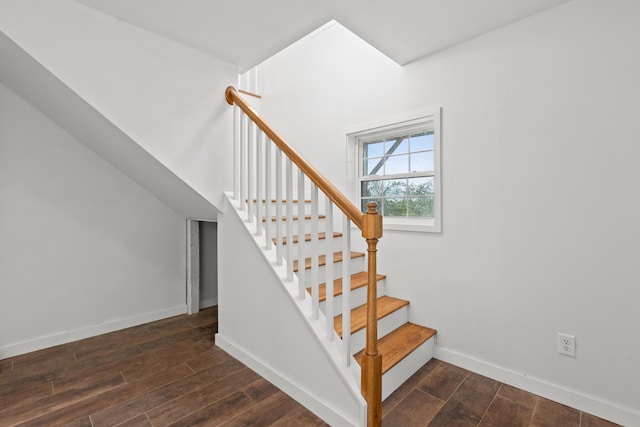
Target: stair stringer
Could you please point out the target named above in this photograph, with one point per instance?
(264, 325)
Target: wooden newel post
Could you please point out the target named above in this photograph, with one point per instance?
(371, 362)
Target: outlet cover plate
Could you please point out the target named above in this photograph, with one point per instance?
(567, 344)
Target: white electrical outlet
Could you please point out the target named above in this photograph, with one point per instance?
(567, 344)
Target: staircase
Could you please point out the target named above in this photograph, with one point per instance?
(305, 226)
(404, 346)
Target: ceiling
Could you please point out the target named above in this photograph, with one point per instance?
(246, 32)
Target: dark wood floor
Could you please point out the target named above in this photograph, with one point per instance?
(444, 395)
(169, 373)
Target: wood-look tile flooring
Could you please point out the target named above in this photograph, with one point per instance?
(444, 395)
(163, 373)
(169, 373)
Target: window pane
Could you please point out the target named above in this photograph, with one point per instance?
(421, 186)
(372, 188)
(373, 166)
(397, 145)
(395, 187)
(396, 164)
(395, 207)
(422, 141)
(363, 204)
(373, 149)
(420, 206)
(422, 161)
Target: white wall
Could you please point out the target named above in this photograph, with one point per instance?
(84, 249)
(540, 205)
(167, 97)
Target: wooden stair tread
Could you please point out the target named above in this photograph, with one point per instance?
(358, 280)
(295, 218)
(337, 257)
(386, 306)
(307, 237)
(398, 344)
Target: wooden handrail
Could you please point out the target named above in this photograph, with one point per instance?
(336, 196)
(370, 223)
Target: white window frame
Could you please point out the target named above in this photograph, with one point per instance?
(428, 120)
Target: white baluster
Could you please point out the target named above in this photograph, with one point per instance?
(289, 197)
(329, 268)
(278, 206)
(315, 302)
(236, 148)
(250, 170)
(346, 289)
(259, 149)
(267, 183)
(243, 131)
(301, 257)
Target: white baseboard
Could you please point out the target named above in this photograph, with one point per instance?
(592, 405)
(304, 397)
(51, 340)
(208, 302)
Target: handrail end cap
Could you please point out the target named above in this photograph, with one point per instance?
(228, 94)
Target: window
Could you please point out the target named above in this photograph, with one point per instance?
(398, 167)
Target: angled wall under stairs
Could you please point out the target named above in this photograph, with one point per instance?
(261, 323)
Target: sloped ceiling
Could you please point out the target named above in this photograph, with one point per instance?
(246, 32)
(38, 86)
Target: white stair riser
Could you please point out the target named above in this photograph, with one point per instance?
(358, 297)
(385, 325)
(400, 373)
(323, 244)
(356, 266)
(272, 226)
(295, 208)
